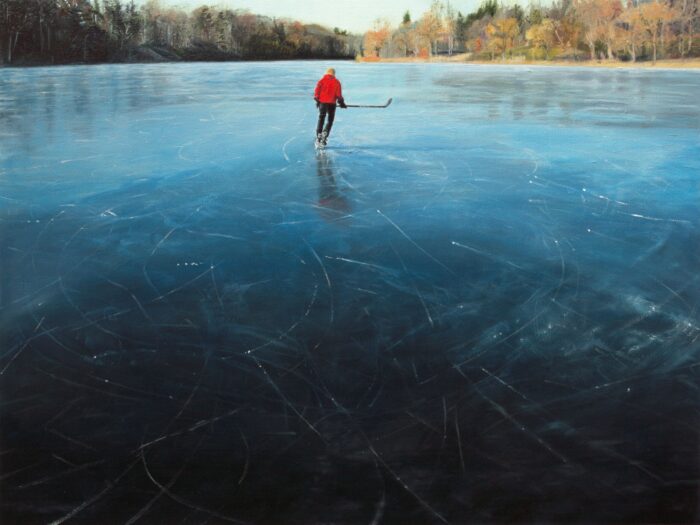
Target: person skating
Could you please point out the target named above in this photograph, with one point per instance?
(328, 92)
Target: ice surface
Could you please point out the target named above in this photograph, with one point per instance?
(480, 304)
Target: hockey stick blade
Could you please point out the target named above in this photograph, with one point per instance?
(388, 102)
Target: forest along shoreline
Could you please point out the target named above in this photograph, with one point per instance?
(149, 55)
(155, 56)
(674, 63)
(597, 33)
(55, 32)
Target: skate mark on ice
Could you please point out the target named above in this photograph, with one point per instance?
(501, 410)
(110, 485)
(144, 510)
(657, 219)
(415, 288)
(187, 430)
(284, 148)
(487, 254)
(138, 303)
(396, 226)
(278, 340)
(83, 505)
(15, 356)
(325, 273)
(182, 286)
(361, 263)
(459, 442)
(493, 345)
(423, 503)
(286, 400)
(182, 501)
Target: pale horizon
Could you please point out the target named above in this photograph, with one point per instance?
(356, 16)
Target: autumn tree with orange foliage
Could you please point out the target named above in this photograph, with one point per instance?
(405, 36)
(377, 37)
(543, 35)
(430, 26)
(502, 33)
(653, 17)
(632, 37)
(688, 17)
(568, 31)
(599, 20)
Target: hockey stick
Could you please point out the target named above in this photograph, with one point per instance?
(359, 106)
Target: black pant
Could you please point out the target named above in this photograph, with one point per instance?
(323, 110)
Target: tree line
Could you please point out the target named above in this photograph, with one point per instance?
(568, 29)
(69, 31)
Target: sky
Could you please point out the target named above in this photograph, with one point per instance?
(354, 15)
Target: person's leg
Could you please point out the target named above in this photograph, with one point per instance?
(321, 117)
(331, 118)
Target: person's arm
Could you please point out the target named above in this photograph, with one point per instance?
(339, 95)
(317, 93)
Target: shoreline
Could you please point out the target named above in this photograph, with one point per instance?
(169, 62)
(34, 65)
(673, 63)
(690, 64)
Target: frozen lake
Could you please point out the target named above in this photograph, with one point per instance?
(479, 304)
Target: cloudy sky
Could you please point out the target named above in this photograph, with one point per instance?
(354, 15)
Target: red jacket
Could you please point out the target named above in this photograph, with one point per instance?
(328, 90)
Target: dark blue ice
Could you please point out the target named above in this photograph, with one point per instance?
(477, 305)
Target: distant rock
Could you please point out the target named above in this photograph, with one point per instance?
(201, 51)
(148, 54)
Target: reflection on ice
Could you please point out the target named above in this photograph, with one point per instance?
(332, 205)
(482, 301)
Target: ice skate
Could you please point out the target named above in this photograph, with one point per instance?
(319, 143)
